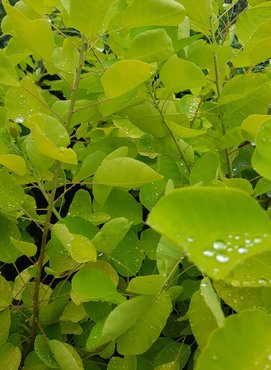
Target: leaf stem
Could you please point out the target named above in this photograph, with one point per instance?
(219, 89)
(156, 105)
(51, 200)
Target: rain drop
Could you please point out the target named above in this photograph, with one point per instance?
(242, 250)
(208, 253)
(257, 240)
(219, 245)
(222, 258)
(262, 282)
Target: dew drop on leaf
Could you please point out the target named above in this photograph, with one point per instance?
(222, 258)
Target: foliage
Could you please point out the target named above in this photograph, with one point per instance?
(135, 180)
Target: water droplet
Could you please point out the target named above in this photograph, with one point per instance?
(222, 258)
(269, 357)
(208, 253)
(262, 282)
(19, 120)
(219, 245)
(247, 241)
(190, 240)
(242, 250)
(237, 237)
(257, 240)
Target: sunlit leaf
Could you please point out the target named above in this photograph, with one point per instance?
(149, 12)
(125, 75)
(150, 284)
(150, 46)
(36, 34)
(95, 285)
(237, 226)
(125, 172)
(179, 75)
(14, 163)
(65, 355)
(48, 148)
(25, 248)
(89, 17)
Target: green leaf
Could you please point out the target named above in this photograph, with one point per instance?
(65, 355)
(119, 320)
(149, 240)
(263, 186)
(126, 173)
(127, 257)
(81, 204)
(32, 361)
(151, 284)
(211, 299)
(47, 147)
(11, 195)
(78, 246)
(73, 312)
(14, 163)
(111, 234)
(205, 169)
(35, 34)
(150, 46)
(5, 321)
(89, 165)
(244, 298)
(173, 356)
(185, 132)
(124, 76)
(139, 337)
(242, 96)
(199, 13)
(238, 183)
(24, 101)
(43, 351)
(250, 349)
(147, 118)
(137, 322)
(179, 75)
(237, 227)
(125, 363)
(95, 285)
(252, 124)
(8, 253)
(120, 203)
(89, 17)
(25, 248)
(168, 257)
(149, 13)
(201, 318)
(8, 75)
(10, 356)
(261, 157)
(5, 293)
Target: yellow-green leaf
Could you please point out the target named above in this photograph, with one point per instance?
(26, 248)
(35, 34)
(125, 75)
(48, 148)
(14, 163)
